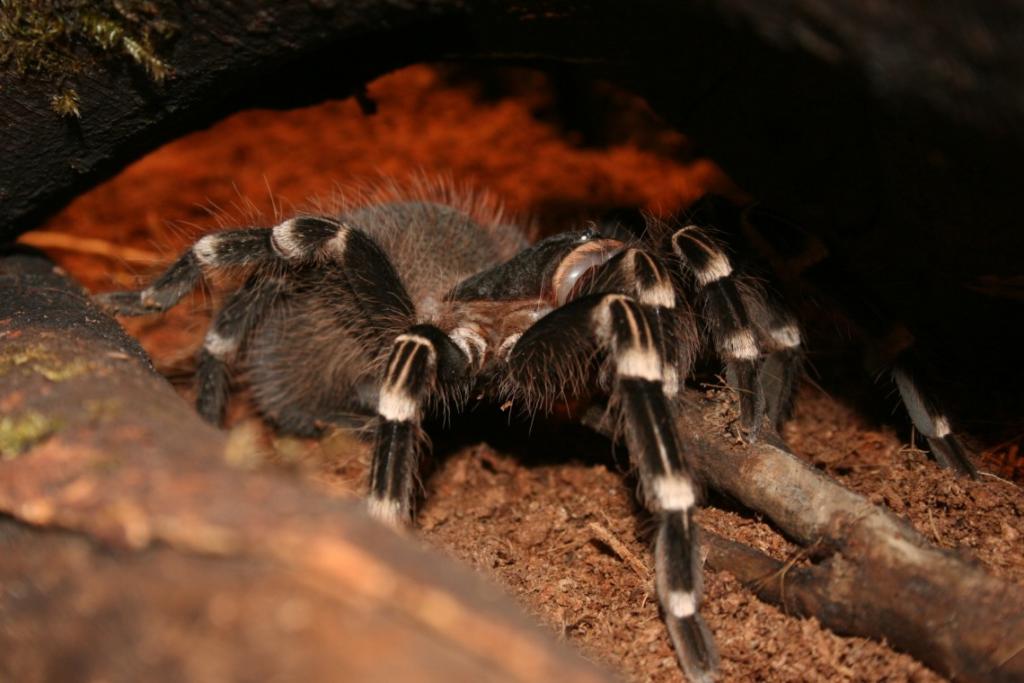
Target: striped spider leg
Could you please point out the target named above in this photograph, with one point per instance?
(626, 334)
(930, 420)
(423, 363)
(731, 325)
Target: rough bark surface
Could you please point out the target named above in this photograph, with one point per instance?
(94, 442)
(834, 593)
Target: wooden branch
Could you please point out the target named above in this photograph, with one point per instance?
(62, 241)
(882, 579)
(827, 591)
(93, 441)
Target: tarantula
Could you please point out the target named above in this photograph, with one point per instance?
(409, 306)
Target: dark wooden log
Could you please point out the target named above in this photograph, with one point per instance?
(94, 442)
(74, 610)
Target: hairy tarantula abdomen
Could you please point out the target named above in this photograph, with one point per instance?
(434, 246)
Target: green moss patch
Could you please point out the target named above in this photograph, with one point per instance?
(18, 433)
(59, 39)
(42, 361)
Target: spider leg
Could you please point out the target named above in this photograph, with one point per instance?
(932, 423)
(224, 338)
(627, 333)
(779, 334)
(422, 361)
(641, 274)
(779, 376)
(732, 330)
(295, 241)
